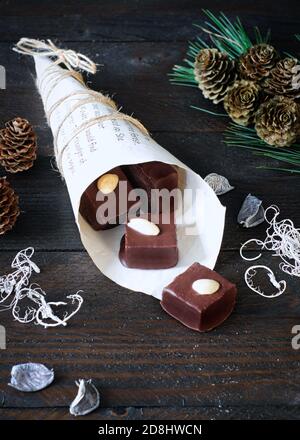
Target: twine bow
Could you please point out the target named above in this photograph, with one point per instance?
(52, 77)
(70, 58)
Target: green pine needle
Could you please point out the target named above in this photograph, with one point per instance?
(184, 75)
(259, 38)
(230, 37)
(204, 110)
(225, 35)
(246, 137)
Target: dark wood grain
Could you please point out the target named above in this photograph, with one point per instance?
(129, 72)
(145, 364)
(143, 72)
(138, 356)
(160, 413)
(47, 220)
(134, 20)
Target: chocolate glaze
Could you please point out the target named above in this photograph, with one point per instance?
(198, 312)
(152, 175)
(89, 205)
(149, 252)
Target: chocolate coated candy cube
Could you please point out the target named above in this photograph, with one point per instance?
(142, 251)
(199, 298)
(107, 184)
(153, 175)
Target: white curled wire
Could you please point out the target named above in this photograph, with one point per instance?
(255, 240)
(38, 310)
(250, 274)
(283, 240)
(45, 311)
(20, 277)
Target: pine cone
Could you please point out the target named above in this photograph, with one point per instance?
(17, 145)
(277, 121)
(284, 79)
(215, 72)
(257, 62)
(242, 101)
(9, 206)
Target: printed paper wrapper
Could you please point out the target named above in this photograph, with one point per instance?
(105, 145)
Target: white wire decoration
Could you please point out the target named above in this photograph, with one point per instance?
(250, 274)
(28, 303)
(283, 240)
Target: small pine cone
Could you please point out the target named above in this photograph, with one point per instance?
(242, 101)
(215, 72)
(284, 79)
(257, 62)
(9, 206)
(277, 121)
(17, 146)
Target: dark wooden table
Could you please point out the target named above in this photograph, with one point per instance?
(145, 364)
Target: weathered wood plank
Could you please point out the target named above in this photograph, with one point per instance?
(47, 220)
(160, 413)
(202, 150)
(132, 21)
(139, 356)
(136, 83)
(136, 75)
(145, 364)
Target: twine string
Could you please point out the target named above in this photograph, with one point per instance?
(106, 100)
(72, 61)
(94, 121)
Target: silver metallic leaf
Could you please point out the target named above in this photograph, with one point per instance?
(87, 399)
(252, 212)
(31, 377)
(218, 183)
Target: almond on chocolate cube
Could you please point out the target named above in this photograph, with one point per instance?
(151, 246)
(199, 298)
(90, 208)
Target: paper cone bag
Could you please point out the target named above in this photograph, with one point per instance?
(90, 139)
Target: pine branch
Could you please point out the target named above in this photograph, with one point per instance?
(230, 37)
(184, 75)
(225, 35)
(245, 137)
